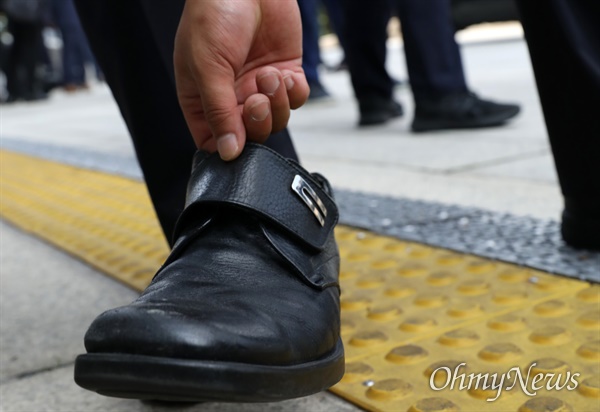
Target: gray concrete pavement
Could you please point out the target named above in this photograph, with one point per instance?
(49, 298)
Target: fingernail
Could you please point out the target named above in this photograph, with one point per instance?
(269, 83)
(289, 82)
(260, 111)
(227, 146)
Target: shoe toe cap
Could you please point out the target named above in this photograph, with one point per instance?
(245, 334)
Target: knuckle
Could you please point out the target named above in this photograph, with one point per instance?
(217, 116)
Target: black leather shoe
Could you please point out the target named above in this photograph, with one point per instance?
(580, 226)
(460, 111)
(377, 110)
(246, 307)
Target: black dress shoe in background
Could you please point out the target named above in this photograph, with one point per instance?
(246, 307)
(377, 110)
(580, 225)
(460, 111)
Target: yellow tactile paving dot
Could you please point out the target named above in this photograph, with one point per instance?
(407, 309)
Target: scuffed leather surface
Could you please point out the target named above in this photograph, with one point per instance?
(238, 287)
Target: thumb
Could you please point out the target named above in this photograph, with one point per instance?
(208, 101)
(208, 44)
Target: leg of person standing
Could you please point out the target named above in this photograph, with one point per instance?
(73, 64)
(15, 84)
(22, 81)
(366, 35)
(87, 55)
(311, 58)
(564, 45)
(432, 55)
(442, 98)
(145, 32)
(336, 19)
(73, 58)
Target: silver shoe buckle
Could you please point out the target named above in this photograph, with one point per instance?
(310, 197)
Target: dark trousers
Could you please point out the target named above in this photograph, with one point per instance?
(309, 11)
(76, 49)
(564, 44)
(133, 43)
(23, 59)
(76, 53)
(432, 55)
(311, 57)
(337, 21)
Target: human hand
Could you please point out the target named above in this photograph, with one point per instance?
(238, 69)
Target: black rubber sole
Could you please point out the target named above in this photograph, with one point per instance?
(185, 380)
(377, 117)
(430, 124)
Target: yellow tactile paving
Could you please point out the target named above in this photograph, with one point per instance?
(105, 220)
(407, 309)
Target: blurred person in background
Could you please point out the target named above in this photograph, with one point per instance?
(26, 20)
(442, 98)
(311, 57)
(337, 23)
(76, 52)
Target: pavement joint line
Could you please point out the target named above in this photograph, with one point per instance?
(495, 162)
(450, 171)
(381, 164)
(398, 296)
(35, 372)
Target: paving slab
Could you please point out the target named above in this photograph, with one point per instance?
(454, 151)
(47, 301)
(89, 119)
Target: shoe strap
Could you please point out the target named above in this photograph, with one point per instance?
(268, 185)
